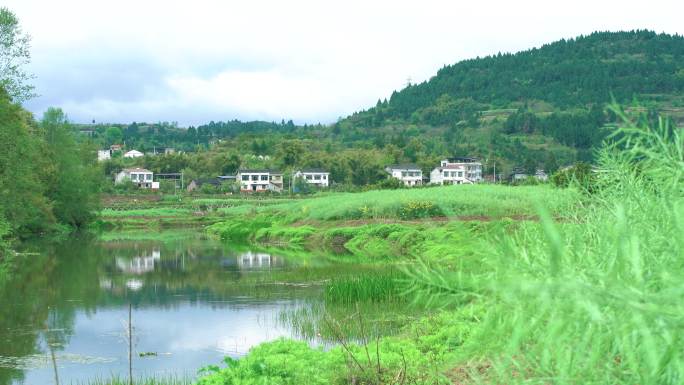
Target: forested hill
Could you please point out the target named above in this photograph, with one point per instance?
(541, 108)
(566, 74)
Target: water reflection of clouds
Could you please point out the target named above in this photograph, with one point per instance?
(186, 337)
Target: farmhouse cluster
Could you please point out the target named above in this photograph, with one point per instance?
(450, 171)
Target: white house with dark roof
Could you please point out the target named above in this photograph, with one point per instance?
(260, 180)
(409, 174)
(314, 176)
(457, 171)
(140, 176)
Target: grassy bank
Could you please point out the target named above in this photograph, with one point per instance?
(395, 222)
(588, 293)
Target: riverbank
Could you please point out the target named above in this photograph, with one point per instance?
(585, 291)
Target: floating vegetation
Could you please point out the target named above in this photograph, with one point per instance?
(38, 361)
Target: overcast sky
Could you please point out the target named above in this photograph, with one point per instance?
(310, 61)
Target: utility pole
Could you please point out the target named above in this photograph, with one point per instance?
(51, 348)
(494, 172)
(130, 346)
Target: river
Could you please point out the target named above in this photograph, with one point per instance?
(193, 301)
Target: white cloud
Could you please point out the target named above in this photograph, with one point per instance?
(195, 61)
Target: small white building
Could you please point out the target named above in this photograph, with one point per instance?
(541, 175)
(133, 154)
(314, 176)
(409, 174)
(518, 175)
(260, 180)
(457, 171)
(140, 176)
(103, 155)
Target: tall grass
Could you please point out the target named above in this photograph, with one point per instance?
(451, 201)
(368, 287)
(596, 299)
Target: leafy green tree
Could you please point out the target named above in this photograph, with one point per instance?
(113, 135)
(14, 55)
(21, 190)
(73, 186)
(291, 151)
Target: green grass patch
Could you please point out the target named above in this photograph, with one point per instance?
(368, 287)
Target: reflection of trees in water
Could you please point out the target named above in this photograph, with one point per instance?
(34, 304)
(38, 304)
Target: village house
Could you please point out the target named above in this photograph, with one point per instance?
(314, 176)
(518, 175)
(141, 177)
(541, 175)
(116, 147)
(409, 174)
(133, 154)
(260, 180)
(103, 155)
(457, 171)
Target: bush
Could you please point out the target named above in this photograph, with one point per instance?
(281, 362)
(419, 209)
(389, 184)
(580, 175)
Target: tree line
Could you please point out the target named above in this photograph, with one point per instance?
(49, 178)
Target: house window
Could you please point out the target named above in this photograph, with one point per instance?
(308, 177)
(148, 176)
(317, 177)
(460, 174)
(403, 174)
(446, 174)
(255, 177)
(245, 177)
(264, 177)
(325, 177)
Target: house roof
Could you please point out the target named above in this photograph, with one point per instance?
(258, 171)
(315, 170)
(452, 167)
(226, 177)
(211, 181)
(403, 167)
(136, 169)
(463, 159)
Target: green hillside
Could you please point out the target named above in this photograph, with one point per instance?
(540, 108)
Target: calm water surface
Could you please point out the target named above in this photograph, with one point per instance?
(194, 301)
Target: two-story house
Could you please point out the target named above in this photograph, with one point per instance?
(409, 174)
(259, 180)
(140, 176)
(314, 176)
(457, 171)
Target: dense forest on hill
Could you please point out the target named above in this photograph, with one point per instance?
(540, 108)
